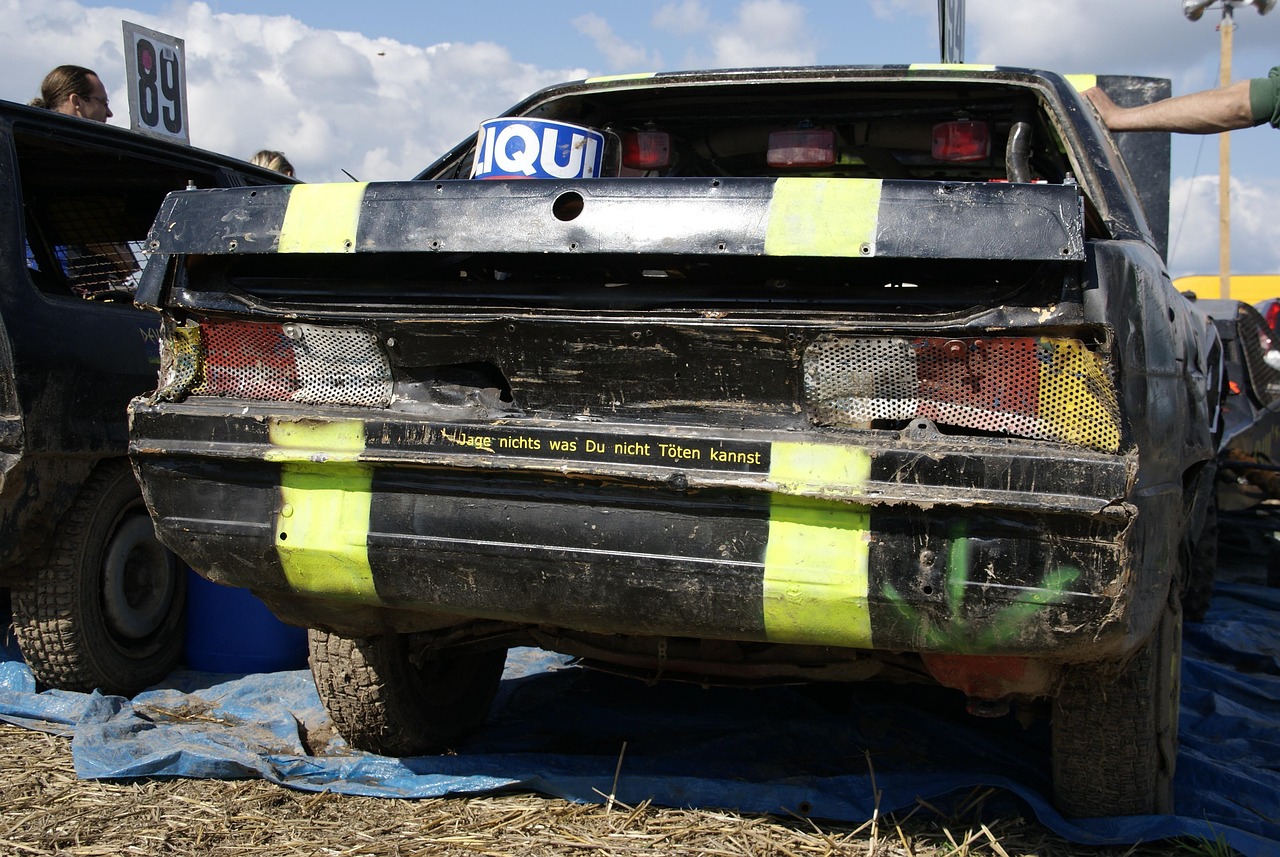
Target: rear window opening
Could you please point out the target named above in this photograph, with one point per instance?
(847, 129)
(399, 283)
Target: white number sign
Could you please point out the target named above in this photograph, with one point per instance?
(156, 66)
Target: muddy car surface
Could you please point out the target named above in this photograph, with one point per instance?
(97, 601)
(832, 374)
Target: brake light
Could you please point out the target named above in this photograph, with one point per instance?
(1035, 387)
(295, 362)
(804, 147)
(1273, 312)
(958, 142)
(646, 150)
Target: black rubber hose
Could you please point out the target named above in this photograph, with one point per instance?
(1017, 153)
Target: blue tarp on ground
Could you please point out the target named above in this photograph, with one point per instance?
(560, 730)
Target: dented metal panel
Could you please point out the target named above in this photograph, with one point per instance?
(714, 217)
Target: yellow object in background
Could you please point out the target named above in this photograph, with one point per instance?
(1249, 288)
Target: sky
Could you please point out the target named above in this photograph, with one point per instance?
(378, 89)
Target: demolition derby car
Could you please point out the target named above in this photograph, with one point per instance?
(802, 374)
(97, 601)
(1247, 497)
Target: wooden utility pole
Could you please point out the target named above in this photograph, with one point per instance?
(1224, 164)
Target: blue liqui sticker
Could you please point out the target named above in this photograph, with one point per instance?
(519, 148)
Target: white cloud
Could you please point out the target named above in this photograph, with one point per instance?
(684, 18)
(621, 55)
(1194, 229)
(885, 10)
(330, 100)
(766, 33)
(1103, 36)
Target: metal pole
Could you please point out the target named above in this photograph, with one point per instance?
(1224, 165)
(951, 30)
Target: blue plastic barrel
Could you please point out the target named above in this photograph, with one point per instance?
(230, 630)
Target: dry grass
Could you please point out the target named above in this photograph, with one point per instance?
(45, 810)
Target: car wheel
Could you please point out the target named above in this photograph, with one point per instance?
(385, 700)
(106, 609)
(1115, 731)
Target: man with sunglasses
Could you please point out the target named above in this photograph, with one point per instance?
(75, 91)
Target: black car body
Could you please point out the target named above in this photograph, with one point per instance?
(897, 415)
(1246, 505)
(1249, 467)
(97, 601)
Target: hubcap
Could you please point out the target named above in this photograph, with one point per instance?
(139, 579)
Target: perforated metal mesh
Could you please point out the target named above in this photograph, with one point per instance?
(247, 361)
(339, 365)
(1050, 389)
(301, 363)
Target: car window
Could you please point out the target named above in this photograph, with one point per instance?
(878, 130)
(87, 211)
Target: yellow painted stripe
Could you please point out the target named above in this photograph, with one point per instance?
(816, 465)
(322, 218)
(823, 217)
(943, 66)
(315, 440)
(322, 529)
(1082, 81)
(613, 78)
(815, 575)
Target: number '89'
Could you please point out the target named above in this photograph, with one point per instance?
(159, 89)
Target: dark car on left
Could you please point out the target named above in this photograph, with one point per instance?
(96, 600)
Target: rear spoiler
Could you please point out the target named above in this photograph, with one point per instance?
(810, 217)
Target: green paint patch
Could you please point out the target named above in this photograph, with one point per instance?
(957, 633)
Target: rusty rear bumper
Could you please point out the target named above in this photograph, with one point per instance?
(874, 542)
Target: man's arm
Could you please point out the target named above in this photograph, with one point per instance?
(1206, 112)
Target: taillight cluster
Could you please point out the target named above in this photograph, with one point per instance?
(1033, 387)
(807, 147)
(293, 362)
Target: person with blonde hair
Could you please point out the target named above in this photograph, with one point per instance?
(273, 160)
(75, 91)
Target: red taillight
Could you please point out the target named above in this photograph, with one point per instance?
(1273, 312)
(1024, 386)
(806, 147)
(646, 150)
(957, 142)
(295, 362)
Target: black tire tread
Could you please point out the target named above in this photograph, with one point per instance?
(61, 635)
(1114, 741)
(381, 702)
(1204, 568)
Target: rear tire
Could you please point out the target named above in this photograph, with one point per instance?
(1115, 730)
(107, 610)
(381, 701)
(1204, 568)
